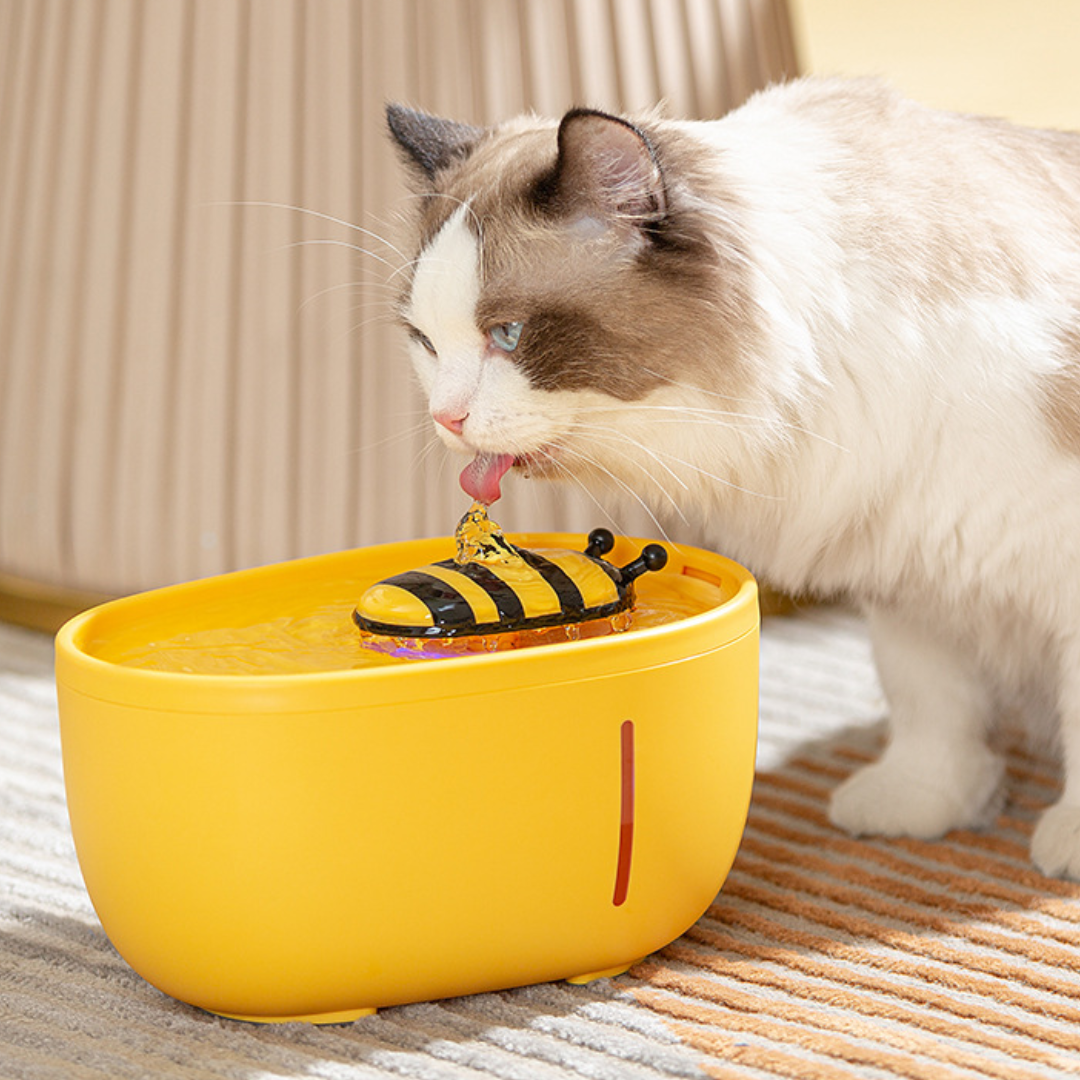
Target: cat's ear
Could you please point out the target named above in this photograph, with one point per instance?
(430, 143)
(609, 165)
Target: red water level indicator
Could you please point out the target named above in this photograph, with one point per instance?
(626, 815)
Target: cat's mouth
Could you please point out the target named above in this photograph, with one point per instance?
(482, 477)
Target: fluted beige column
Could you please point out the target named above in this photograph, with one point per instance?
(198, 206)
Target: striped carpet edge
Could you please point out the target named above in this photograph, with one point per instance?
(826, 956)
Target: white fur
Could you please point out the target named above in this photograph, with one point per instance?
(953, 516)
(892, 451)
(445, 289)
(468, 377)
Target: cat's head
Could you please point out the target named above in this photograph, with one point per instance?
(574, 284)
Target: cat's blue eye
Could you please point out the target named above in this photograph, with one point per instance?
(506, 336)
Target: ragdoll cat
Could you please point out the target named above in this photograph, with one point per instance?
(840, 329)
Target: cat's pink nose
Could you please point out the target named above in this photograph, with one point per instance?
(451, 420)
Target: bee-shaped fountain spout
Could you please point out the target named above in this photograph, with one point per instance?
(493, 586)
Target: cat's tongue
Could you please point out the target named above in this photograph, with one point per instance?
(480, 478)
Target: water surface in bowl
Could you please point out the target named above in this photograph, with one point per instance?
(309, 639)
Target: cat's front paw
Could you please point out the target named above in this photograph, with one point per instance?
(891, 798)
(1055, 844)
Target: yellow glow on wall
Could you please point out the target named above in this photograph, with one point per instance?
(999, 57)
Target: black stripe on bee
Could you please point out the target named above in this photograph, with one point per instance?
(570, 599)
(506, 600)
(447, 606)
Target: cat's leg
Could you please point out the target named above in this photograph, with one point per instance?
(1055, 844)
(937, 773)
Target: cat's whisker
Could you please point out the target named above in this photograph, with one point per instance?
(433, 443)
(341, 243)
(401, 270)
(592, 463)
(695, 468)
(680, 410)
(694, 389)
(446, 456)
(584, 488)
(318, 214)
(375, 287)
(682, 385)
(367, 302)
(653, 454)
(721, 417)
(611, 432)
(465, 203)
(649, 476)
(331, 289)
(609, 514)
(372, 311)
(356, 328)
(713, 418)
(400, 435)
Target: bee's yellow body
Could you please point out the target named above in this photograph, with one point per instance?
(531, 589)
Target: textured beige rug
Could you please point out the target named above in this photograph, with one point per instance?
(823, 956)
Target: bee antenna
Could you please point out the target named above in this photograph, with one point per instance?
(652, 557)
(601, 541)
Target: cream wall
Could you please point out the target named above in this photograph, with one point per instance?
(1014, 58)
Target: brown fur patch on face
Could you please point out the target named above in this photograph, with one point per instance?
(607, 306)
(496, 173)
(1061, 395)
